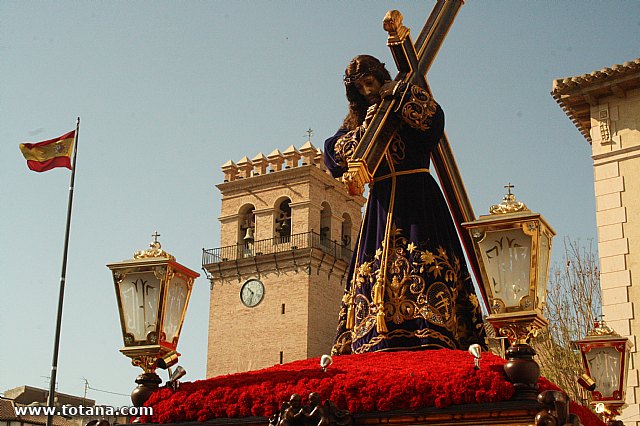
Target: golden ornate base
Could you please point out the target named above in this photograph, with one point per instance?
(146, 357)
(518, 327)
(356, 177)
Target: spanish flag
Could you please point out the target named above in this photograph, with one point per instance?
(43, 156)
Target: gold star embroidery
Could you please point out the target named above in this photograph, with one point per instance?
(378, 253)
(427, 257)
(411, 247)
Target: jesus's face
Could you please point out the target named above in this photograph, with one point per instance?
(369, 87)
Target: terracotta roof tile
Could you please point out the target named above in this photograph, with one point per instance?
(615, 71)
(6, 410)
(576, 95)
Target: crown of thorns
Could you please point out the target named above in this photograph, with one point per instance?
(349, 79)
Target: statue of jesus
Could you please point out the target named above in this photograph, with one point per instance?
(408, 285)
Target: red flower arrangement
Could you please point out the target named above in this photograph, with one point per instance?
(379, 381)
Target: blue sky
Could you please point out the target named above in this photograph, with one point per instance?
(168, 91)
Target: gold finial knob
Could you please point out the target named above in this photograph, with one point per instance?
(600, 328)
(508, 204)
(392, 24)
(154, 250)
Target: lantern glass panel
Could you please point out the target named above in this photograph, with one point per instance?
(177, 294)
(604, 367)
(507, 258)
(140, 295)
(543, 267)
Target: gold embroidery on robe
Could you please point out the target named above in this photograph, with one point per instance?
(419, 109)
(346, 145)
(407, 295)
(396, 149)
(400, 333)
(342, 346)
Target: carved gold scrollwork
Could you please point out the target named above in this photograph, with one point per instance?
(508, 205)
(519, 332)
(602, 329)
(146, 362)
(518, 327)
(154, 250)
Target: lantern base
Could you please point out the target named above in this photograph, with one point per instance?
(518, 326)
(147, 384)
(522, 371)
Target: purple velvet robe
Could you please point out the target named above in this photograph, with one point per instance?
(408, 286)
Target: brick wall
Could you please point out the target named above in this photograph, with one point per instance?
(310, 286)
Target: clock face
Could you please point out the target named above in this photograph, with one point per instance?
(252, 292)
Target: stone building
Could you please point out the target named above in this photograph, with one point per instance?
(605, 107)
(287, 230)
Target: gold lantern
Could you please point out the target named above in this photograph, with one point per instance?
(513, 247)
(152, 291)
(605, 357)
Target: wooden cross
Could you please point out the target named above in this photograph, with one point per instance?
(413, 62)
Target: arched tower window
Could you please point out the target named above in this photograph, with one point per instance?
(246, 229)
(345, 235)
(283, 221)
(325, 223)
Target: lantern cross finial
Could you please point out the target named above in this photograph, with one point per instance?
(309, 133)
(155, 237)
(509, 187)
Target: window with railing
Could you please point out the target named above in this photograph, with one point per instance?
(299, 241)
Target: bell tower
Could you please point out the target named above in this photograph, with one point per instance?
(286, 236)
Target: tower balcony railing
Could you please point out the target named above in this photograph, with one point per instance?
(277, 244)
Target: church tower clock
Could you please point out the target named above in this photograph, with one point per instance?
(287, 230)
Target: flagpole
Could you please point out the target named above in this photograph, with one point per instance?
(56, 344)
